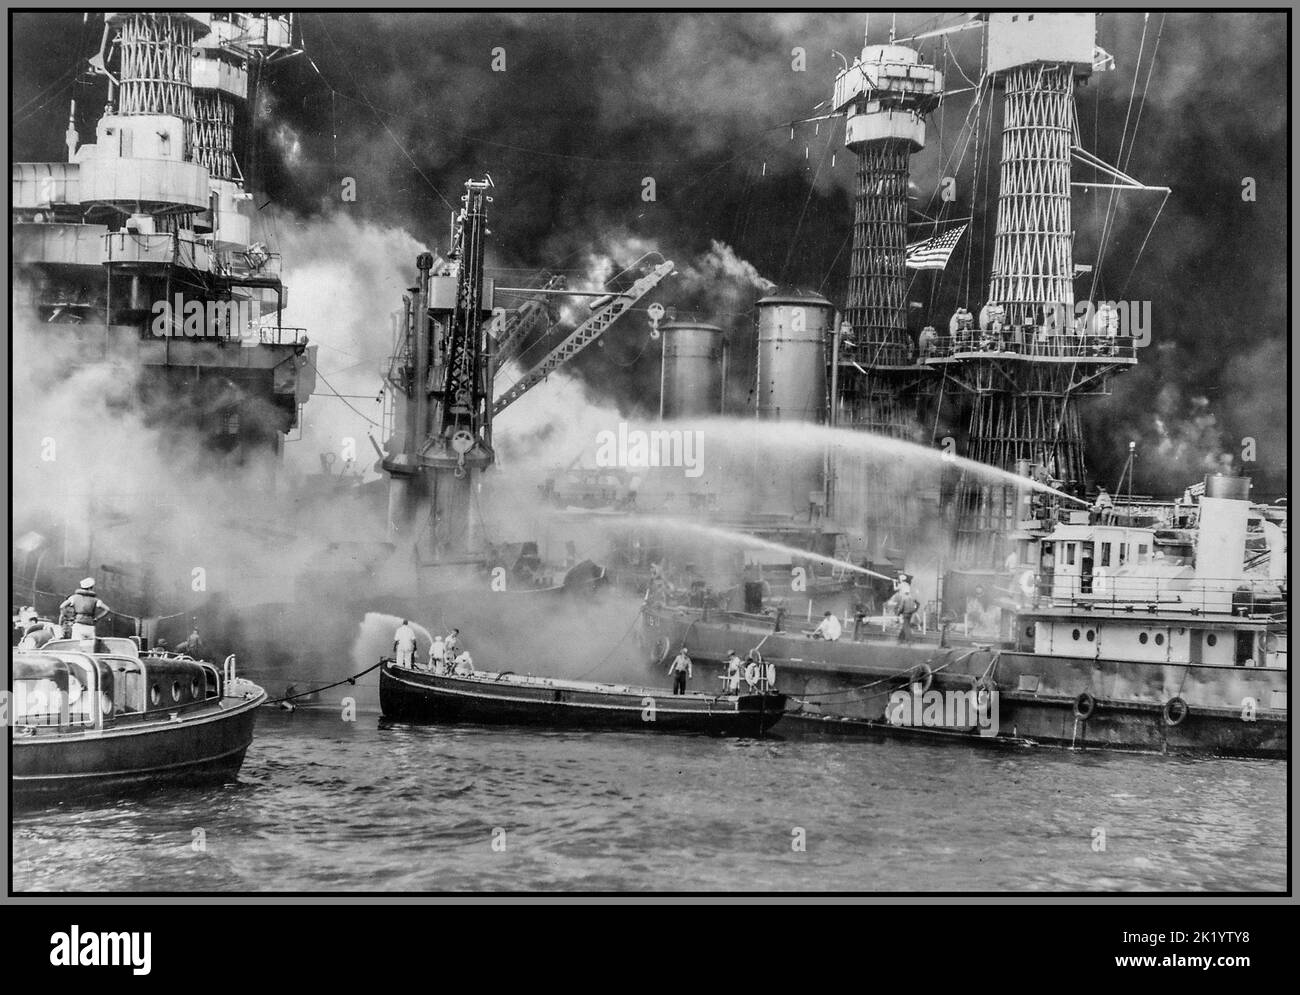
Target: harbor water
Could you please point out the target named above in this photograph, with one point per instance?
(327, 804)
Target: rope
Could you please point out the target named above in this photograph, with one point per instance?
(346, 680)
(610, 654)
(893, 677)
(863, 687)
(135, 618)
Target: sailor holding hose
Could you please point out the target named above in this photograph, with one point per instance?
(404, 644)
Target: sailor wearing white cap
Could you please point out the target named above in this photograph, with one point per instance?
(86, 609)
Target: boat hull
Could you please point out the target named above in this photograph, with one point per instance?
(845, 689)
(197, 750)
(416, 696)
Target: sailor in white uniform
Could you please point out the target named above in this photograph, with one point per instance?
(404, 644)
(437, 654)
(829, 628)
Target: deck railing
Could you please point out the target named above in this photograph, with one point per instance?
(1242, 597)
(1030, 345)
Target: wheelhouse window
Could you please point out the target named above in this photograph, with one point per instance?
(128, 687)
(48, 691)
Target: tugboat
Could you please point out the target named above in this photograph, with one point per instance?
(410, 694)
(1117, 644)
(100, 715)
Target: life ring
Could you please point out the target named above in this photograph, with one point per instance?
(659, 650)
(1084, 706)
(1175, 711)
(921, 674)
(752, 674)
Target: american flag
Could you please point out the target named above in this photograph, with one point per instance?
(933, 253)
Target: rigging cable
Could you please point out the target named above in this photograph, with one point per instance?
(397, 142)
(1111, 202)
(341, 397)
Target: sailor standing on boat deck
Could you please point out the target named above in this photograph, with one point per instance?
(859, 620)
(1102, 510)
(404, 644)
(87, 609)
(193, 646)
(437, 654)
(451, 644)
(680, 668)
(907, 607)
(734, 669)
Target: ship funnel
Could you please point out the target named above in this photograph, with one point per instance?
(691, 384)
(1221, 539)
(794, 328)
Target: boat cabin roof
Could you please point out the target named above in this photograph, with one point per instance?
(1099, 533)
(106, 644)
(46, 666)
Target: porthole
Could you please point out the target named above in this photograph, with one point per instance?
(1142, 638)
(1075, 633)
(155, 695)
(176, 690)
(1090, 635)
(1211, 639)
(1029, 631)
(1160, 638)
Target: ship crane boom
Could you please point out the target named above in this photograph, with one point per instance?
(583, 335)
(531, 316)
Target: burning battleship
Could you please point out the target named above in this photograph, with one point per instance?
(138, 271)
(1125, 623)
(1089, 623)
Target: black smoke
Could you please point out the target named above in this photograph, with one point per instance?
(589, 105)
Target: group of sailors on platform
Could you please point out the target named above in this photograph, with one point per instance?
(992, 332)
(446, 655)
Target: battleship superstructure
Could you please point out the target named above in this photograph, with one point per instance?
(881, 385)
(1025, 368)
(139, 248)
(1108, 627)
(138, 255)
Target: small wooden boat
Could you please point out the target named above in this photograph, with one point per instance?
(96, 715)
(415, 695)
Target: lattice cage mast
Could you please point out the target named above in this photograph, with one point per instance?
(885, 97)
(1023, 387)
(178, 86)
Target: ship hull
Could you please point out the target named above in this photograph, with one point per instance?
(415, 696)
(196, 750)
(847, 689)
